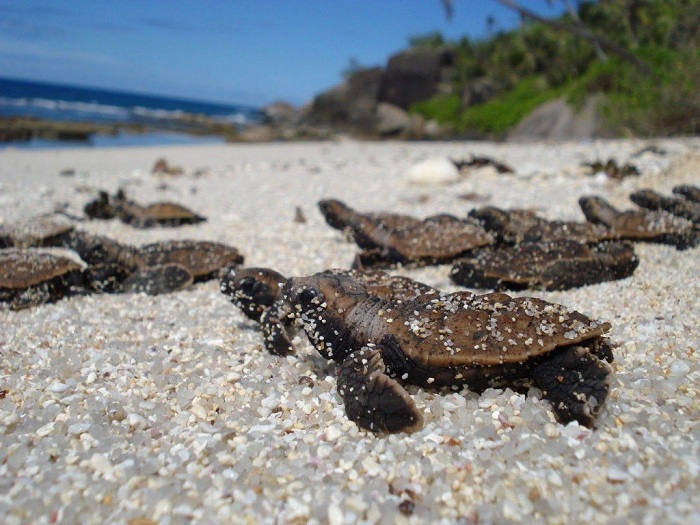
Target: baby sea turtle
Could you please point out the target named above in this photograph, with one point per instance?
(42, 230)
(678, 206)
(433, 340)
(203, 259)
(388, 239)
(554, 265)
(137, 215)
(520, 225)
(641, 225)
(31, 276)
(692, 193)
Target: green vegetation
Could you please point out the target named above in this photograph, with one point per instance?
(537, 62)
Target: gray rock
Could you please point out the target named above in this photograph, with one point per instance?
(556, 120)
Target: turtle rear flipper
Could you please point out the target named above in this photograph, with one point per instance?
(575, 382)
(159, 279)
(372, 399)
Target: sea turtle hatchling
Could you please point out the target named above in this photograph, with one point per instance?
(555, 265)
(692, 193)
(33, 276)
(387, 239)
(522, 225)
(641, 225)
(41, 230)
(678, 206)
(137, 215)
(432, 340)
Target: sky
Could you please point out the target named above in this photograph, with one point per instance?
(251, 52)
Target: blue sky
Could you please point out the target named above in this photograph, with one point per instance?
(236, 51)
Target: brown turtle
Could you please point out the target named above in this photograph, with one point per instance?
(42, 230)
(520, 225)
(691, 193)
(203, 259)
(32, 276)
(254, 290)
(678, 206)
(641, 225)
(139, 216)
(436, 340)
(388, 239)
(612, 169)
(554, 265)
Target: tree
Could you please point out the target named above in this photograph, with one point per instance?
(599, 42)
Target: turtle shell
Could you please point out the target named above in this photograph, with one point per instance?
(165, 212)
(29, 277)
(203, 259)
(36, 231)
(22, 268)
(463, 329)
(402, 238)
(548, 265)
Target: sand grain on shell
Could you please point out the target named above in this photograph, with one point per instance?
(135, 409)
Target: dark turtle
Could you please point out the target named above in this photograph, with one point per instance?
(555, 265)
(101, 208)
(157, 279)
(641, 225)
(137, 215)
(437, 340)
(31, 276)
(678, 206)
(519, 225)
(691, 193)
(612, 169)
(42, 230)
(254, 290)
(157, 214)
(203, 259)
(479, 162)
(388, 239)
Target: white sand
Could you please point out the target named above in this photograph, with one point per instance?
(136, 409)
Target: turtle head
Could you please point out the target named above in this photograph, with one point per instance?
(325, 291)
(336, 213)
(253, 290)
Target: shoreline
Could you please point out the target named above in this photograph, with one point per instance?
(167, 408)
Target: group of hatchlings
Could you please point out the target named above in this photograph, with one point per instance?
(383, 329)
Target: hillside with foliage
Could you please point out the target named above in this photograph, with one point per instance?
(650, 88)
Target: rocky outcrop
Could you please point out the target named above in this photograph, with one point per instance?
(350, 106)
(415, 75)
(374, 102)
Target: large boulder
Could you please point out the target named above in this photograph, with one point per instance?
(415, 75)
(350, 106)
(392, 121)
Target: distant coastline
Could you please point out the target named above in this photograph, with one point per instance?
(39, 114)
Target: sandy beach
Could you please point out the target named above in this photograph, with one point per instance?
(135, 409)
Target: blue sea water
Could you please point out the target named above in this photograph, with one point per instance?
(21, 98)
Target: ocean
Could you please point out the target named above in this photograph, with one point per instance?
(56, 102)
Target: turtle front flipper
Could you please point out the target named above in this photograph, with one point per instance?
(372, 399)
(575, 381)
(271, 323)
